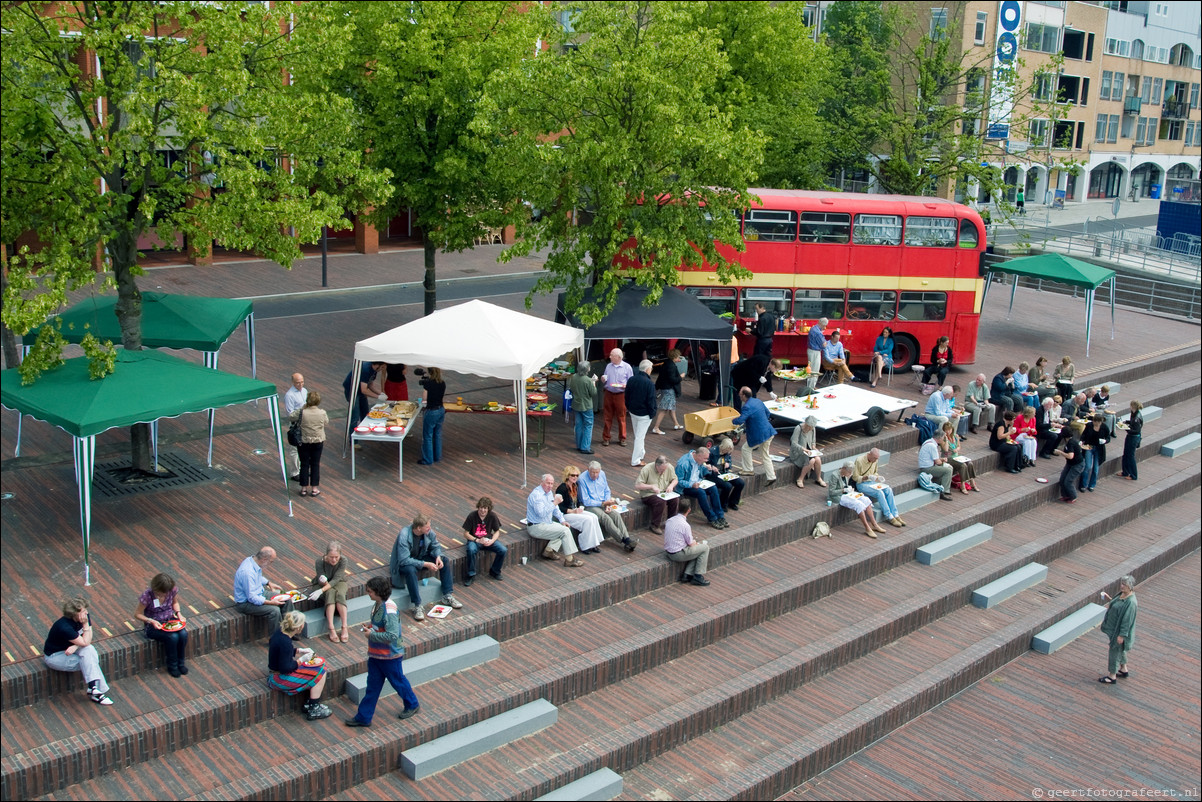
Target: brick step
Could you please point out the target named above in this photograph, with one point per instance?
(190, 721)
(622, 724)
(781, 744)
(681, 632)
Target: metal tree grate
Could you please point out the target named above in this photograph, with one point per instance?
(183, 473)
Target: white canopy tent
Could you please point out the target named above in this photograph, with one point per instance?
(477, 338)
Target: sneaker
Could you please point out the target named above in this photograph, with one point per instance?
(99, 698)
(452, 601)
(418, 613)
(548, 554)
(716, 523)
(315, 711)
(409, 712)
(724, 523)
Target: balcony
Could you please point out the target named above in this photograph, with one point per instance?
(1132, 104)
(1175, 110)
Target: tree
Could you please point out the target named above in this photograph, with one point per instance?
(620, 146)
(420, 72)
(122, 119)
(779, 78)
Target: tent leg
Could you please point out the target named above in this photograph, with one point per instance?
(17, 450)
(154, 441)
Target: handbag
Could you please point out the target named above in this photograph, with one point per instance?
(822, 529)
(294, 434)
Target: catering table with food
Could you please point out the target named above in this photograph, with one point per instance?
(387, 422)
(537, 409)
(791, 376)
(837, 405)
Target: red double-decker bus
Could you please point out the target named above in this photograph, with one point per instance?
(862, 261)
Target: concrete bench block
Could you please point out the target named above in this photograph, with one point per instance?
(1014, 582)
(602, 784)
(1068, 629)
(1151, 413)
(432, 665)
(911, 500)
(953, 544)
(1181, 445)
(476, 739)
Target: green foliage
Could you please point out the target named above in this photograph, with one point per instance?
(618, 136)
(204, 82)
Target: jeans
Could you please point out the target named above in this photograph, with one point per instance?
(174, 645)
(584, 430)
(86, 660)
(409, 573)
(1130, 446)
(310, 464)
(497, 548)
(1089, 476)
(708, 500)
(378, 671)
(884, 497)
(1068, 479)
(729, 492)
(432, 434)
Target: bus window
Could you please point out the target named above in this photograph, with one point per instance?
(871, 305)
(931, 232)
(775, 301)
(719, 300)
(922, 306)
(813, 304)
(878, 229)
(769, 225)
(969, 236)
(825, 227)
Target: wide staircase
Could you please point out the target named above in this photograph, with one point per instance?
(615, 681)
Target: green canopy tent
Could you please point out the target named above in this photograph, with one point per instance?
(144, 387)
(1063, 270)
(168, 321)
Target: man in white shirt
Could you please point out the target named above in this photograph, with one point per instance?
(930, 460)
(294, 399)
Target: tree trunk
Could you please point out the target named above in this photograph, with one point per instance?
(7, 339)
(430, 282)
(123, 252)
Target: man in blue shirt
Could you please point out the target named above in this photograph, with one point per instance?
(758, 436)
(835, 358)
(692, 470)
(939, 409)
(416, 549)
(545, 521)
(251, 587)
(815, 343)
(595, 497)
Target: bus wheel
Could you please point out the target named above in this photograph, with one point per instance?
(905, 353)
(687, 437)
(874, 422)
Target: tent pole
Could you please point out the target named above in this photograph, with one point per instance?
(154, 440)
(250, 344)
(1088, 317)
(1013, 289)
(985, 289)
(273, 413)
(17, 450)
(85, 464)
(519, 398)
(356, 369)
(1112, 286)
(212, 417)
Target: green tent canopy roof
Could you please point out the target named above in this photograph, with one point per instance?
(1056, 267)
(168, 321)
(143, 387)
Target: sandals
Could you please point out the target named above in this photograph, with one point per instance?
(333, 636)
(344, 635)
(304, 492)
(677, 428)
(314, 492)
(1108, 681)
(822, 483)
(1123, 674)
(658, 431)
(573, 562)
(800, 483)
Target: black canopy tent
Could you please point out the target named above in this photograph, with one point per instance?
(677, 315)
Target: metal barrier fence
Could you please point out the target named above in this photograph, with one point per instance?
(1179, 258)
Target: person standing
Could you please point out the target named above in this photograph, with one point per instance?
(758, 437)
(294, 399)
(765, 330)
(367, 389)
(1020, 200)
(640, 402)
(682, 548)
(416, 549)
(385, 653)
(815, 346)
(481, 531)
(1119, 627)
(1074, 463)
(433, 390)
(69, 648)
(313, 420)
(1093, 441)
(667, 391)
(1135, 430)
(613, 381)
(395, 386)
(583, 387)
(156, 606)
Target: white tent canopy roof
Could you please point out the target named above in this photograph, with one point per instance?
(475, 337)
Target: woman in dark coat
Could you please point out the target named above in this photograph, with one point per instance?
(1135, 430)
